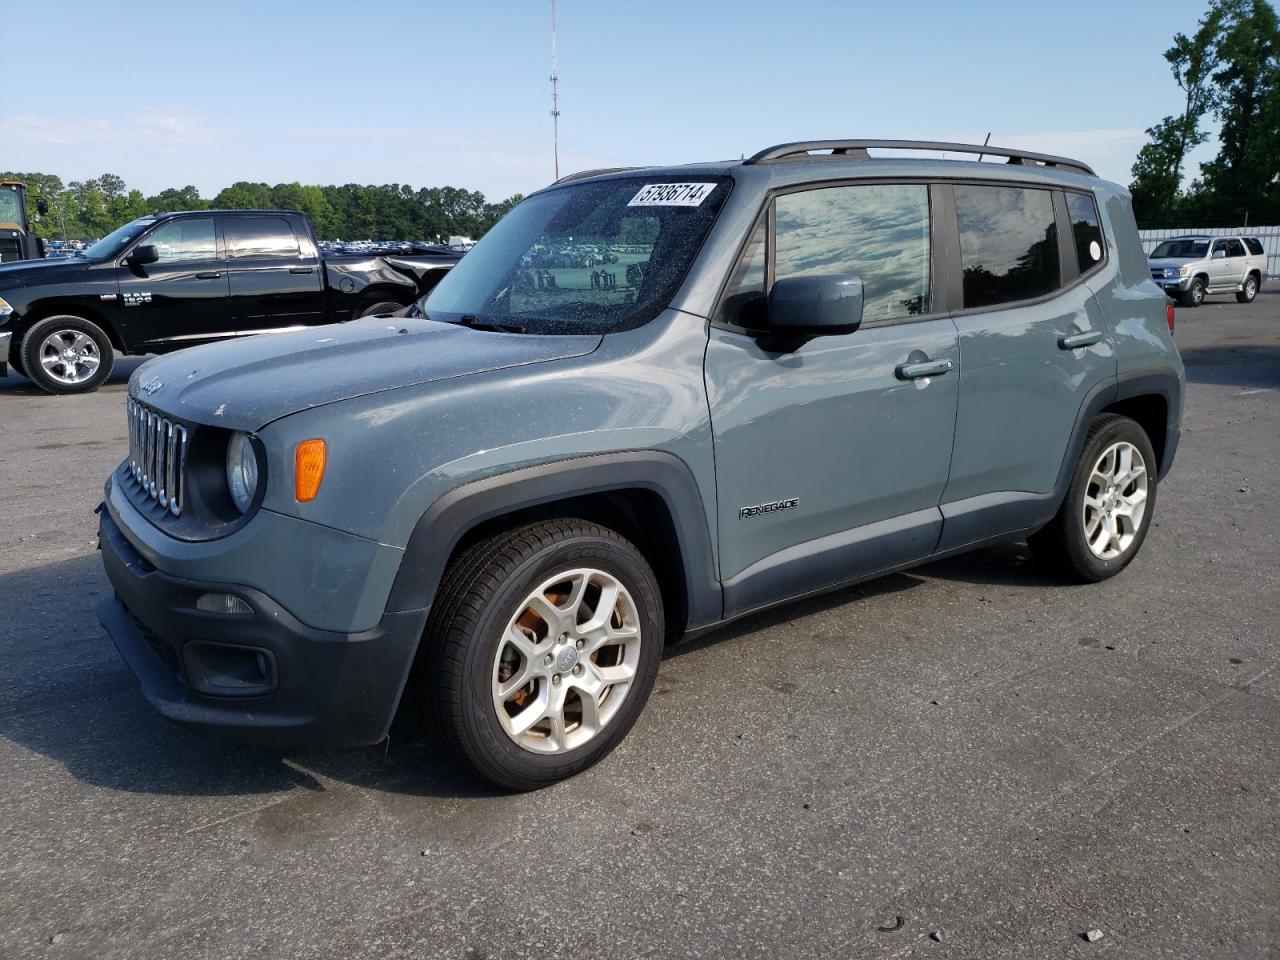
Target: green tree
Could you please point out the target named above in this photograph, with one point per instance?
(177, 198)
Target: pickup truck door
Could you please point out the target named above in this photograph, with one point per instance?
(276, 280)
(181, 299)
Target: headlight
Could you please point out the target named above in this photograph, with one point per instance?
(242, 471)
(1183, 270)
(5, 309)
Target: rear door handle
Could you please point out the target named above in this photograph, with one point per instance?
(208, 276)
(925, 368)
(1078, 340)
(302, 269)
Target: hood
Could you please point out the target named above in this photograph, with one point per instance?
(1159, 263)
(24, 273)
(245, 384)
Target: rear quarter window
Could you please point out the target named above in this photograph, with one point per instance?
(1254, 245)
(1086, 229)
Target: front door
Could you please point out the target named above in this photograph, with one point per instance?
(181, 299)
(276, 276)
(831, 458)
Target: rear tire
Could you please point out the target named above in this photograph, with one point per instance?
(66, 354)
(1193, 296)
(525, 607)
(1107, 512)
(1250, 290)
(374, 310)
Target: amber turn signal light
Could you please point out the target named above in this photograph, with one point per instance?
(308, 469)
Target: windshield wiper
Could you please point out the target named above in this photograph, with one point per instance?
(473, 322)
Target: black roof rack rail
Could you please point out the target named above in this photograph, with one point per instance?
(857, 150)
(599, 172)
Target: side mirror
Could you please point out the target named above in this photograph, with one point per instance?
(1219, 254)
(42, 206)
(147, 253)
(802, 308)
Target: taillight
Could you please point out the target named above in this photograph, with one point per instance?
(1168, 315)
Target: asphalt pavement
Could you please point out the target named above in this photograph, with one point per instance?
(968, 750)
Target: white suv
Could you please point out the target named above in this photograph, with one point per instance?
(1190, 268)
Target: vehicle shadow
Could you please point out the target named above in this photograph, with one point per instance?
(1242, 365)
(66, 695)
(16, 385)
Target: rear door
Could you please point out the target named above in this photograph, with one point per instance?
(181, 299)
(831, 456)
(275, 277)
(1033, 347)
(1237, 260)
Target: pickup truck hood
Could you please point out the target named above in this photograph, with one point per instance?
(24, 273)
(245, 384)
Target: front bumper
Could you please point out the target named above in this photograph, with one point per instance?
(319, 688)
(1173, 283)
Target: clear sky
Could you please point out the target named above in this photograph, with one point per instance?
(432, 93)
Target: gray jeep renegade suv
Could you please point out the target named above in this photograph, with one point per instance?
(648, 402)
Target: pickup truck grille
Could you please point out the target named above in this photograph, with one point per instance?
(157, 456)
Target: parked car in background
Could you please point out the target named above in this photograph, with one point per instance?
(174, 280)
(831, 366)
(1192, 267)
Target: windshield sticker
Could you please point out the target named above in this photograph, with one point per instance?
(672, 195)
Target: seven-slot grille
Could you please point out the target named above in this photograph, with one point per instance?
(157, 456)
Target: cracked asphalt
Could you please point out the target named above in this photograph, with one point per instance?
(970, 746)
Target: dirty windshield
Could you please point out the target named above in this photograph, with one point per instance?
(589, 257)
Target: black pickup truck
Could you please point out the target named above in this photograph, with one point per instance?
(174, 280)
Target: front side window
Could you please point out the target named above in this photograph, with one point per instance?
(184, 240)
(744, 298)
(1087, 230)
(1008, 244)
(588, 257)
(1219, 248)
(878, 232)
(257, 237)
(10, 206)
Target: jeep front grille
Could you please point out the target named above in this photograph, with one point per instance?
(157, 456)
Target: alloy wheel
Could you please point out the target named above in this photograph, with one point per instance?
(70, 356)
(566, 661)
(1115, 500)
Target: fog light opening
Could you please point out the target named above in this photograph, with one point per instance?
(225, 603)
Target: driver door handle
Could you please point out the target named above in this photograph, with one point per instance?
(925, 368)
(302, 269)
(209, 275)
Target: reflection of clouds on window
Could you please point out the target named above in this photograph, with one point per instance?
(1008, 244)
(184, 240)
(880, 233)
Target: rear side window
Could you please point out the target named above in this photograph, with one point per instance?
(250, 237)
(1235, 248)
(1087, 230)
(1008, 244)
(1255, 246)
(879, 232)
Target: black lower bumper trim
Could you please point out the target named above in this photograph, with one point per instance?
(331, 689)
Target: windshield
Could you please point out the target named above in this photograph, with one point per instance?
(1185, 249)
(10, 206)
(589, 257)
(117, 240)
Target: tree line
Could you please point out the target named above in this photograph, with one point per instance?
(1228, 70)
(89, 209)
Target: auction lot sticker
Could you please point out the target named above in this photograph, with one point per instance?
(672, 195)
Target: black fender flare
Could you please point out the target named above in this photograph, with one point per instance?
(444, 524)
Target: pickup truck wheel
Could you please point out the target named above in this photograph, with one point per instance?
(386, 306)
(1250, 290)
(1193, 296)
(1108, 508)
(66, 354)
(541, 650)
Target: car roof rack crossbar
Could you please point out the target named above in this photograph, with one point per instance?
(857, 150)
(599, 172)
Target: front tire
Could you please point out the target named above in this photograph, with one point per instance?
(1194, 294)
(541, 650)
(1250, 290)
(1107, 512)
(66, 354)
